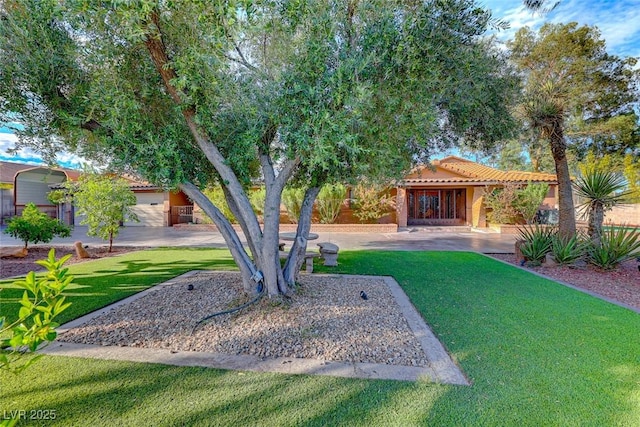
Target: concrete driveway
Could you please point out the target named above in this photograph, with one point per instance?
(407, 239)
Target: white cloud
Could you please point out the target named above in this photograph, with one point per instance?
(28, 156)
(618, 21)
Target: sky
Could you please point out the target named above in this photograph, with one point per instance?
(617, 20)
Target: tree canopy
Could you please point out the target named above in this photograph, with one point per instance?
(574, 88)
(303, 92)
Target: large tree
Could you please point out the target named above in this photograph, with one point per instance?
(299, 92)
(572, 83)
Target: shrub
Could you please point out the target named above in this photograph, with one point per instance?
(567, 250)
(216, 195)
(292, 200)
(329, 202)
(256, 198)
(616, 245)
(537, 242)
(529, 199)
(501, 202)
(371, 201)
(34, 226)
(512, 203)
(35, 325)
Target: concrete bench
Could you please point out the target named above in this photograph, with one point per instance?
(329, 252)
(308, 259)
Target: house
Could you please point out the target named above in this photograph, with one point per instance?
(31, 184)
(451, 192)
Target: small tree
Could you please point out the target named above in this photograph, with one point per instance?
(34, 226)
(329, 202)
(372, 201)
(106, 201)
(512, 203)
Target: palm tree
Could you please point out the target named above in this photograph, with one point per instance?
(601, 190)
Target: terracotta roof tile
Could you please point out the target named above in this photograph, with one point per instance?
(470, 172)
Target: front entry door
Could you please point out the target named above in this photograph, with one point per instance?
(436, 207)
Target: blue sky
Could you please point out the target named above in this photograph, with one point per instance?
(618, 21)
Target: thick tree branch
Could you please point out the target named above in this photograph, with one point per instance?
(157, 50)
(226, 229)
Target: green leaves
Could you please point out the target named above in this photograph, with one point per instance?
(537, 242)
(41, 302)
(105, 201)
(616, 245)
(34, 226)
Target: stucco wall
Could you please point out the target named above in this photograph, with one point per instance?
(624, 214)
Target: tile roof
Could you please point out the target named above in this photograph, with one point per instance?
(471, 172)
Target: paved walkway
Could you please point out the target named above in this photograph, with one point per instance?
(407, 239)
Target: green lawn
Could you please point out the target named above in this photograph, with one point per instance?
(537, 353)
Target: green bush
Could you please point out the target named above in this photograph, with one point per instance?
(616, 245)
(512, 203)
(34, 226)
(256, 198)
(329, 202)
(537, 242)
(216, 195)
(292, 199)
(372, 201)
(567, 250)
(35, 325)
(500, 204)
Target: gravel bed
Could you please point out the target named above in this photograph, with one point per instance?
(324, 319)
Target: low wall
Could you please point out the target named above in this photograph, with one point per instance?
(624, 215)
(315, 228)
(513, 229)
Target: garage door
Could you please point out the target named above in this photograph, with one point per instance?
(149, 209)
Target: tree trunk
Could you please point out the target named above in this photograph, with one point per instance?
(596, 218)
(566, 209)
(262, 242)
(244, 263)
(296, 255)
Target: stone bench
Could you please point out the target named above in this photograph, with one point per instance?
(329, 252)
(308, 259)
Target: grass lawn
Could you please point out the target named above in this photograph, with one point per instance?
(537, 353)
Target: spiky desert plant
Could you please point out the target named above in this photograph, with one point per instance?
(600, 191)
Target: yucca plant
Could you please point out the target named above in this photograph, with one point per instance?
(617, 244)
(601, 190)
(567, 250)
(537, 242)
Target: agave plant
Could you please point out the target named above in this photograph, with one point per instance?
(617, 245)
(567, 250)
(601, 190)
(537, 242)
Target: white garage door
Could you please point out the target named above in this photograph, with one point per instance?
(149, 209)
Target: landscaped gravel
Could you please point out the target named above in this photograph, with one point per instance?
(325, 319)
